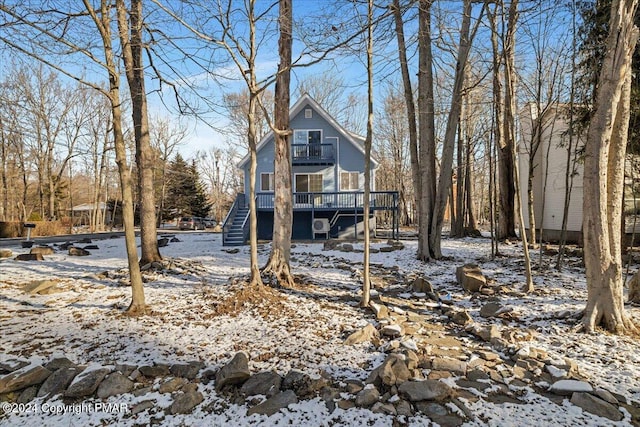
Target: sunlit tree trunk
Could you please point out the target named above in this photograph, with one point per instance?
(278, 265)
(604, 176)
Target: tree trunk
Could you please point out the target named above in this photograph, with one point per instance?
(604, 176)
(506, 214)
(134, 70)
(103, 23)
(411, 116)
(278, 265)
(426, 127)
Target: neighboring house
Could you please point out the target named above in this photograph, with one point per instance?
(328, 181)
(551, 163)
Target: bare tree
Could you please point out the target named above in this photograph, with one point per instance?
(604, 176)
(278, 265)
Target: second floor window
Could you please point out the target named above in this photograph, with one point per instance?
(266, 182)
(307, 136)
(349, 181)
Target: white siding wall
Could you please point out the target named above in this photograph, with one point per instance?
(550, 160)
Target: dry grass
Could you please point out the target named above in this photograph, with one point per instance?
(267, 301)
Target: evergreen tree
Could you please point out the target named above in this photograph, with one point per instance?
(186, 194)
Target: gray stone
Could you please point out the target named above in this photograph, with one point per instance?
(383, 408)
(157, 370)
(73, 251)
(185, 402)
(346, 247)
(394, 371)
(596, 406)
(606, 396)
(28, 394)
(189, 370)
(12, 365)
(365, 334)
(126, 369)
(58, 381)
(452, 365)
(392, 330)
(265, 383)
(6, 253)
(439, 414)
(404, 408)
(29, 257)
(233, 373)
(59, 362)
(142, 406)
(470, 277)
(115, 384)
(274, 403)
(42, 250)
(492, 309)
(567, 387)
(172, 385)
(415, 391)
(86, 383)
(367, 397)
(477, 374)
(302, 384)
(23, 378)
(354, 386)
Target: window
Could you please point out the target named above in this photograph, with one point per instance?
(308, 183)
(307, 136)
(266, 182)
(308, 113)
(349, 181)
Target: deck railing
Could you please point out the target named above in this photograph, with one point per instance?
(312, 153)
(378, 200)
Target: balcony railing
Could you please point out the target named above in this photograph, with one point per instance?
(312, 154)
(378, 200)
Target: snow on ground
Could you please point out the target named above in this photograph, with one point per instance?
(85, 323)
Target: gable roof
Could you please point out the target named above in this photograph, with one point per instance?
(356, 140)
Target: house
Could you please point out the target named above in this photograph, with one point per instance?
(328, 182)
(551, 162)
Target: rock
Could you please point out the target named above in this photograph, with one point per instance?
(346, 247)
(6, 253)
(39, 286)
(42, 250)
(485, 333)
(275, 403)
(493, 309)
(115, 384)
(59, 362)
(383, 408)
(354, 386)
(58, 381)
(127, 369)
(185, 402)
(404, 408)
(302, 384)
(470, 277)
(421, 284)
(394, 371)
(163, 242)
(330, 245)
(392, 330)
(189, 370)
(596, 406)
(477, 374)
(23, 378)
(28, 394)
(86, 383)
(367, 397)
(142, 406)
(606, 396)
(461, 318)
(365, 334)
(172, 385)
(233, 373)
(439, 414)
(451, 365)
(415, 391)
(29, 257)
(567, 387)
(381, 311)
(91, 247)
(265, 383)
(157, 370)
(73, 251)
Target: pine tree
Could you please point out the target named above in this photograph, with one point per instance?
(186, 194)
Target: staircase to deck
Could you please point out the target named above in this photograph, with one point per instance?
(234, 230)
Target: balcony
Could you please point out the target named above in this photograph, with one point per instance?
(312, 154)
